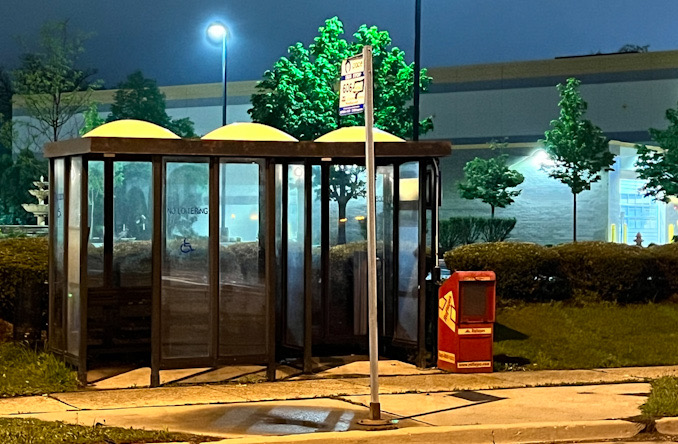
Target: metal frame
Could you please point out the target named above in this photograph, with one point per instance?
(268, 156)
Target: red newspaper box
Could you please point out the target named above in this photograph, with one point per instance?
(466, 303)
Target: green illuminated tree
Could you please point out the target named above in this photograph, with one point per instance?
(140, 98)
(300, 96)
(578, 148)
(48, 79)
(489, 180)
(660, 167)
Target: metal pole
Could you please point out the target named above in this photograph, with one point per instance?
(224, 77)
(375, 409)
(417, 69)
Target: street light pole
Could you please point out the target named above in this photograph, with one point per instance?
(218, 31)
(224, 72)
(417, 69)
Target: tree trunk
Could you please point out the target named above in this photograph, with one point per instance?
(492, 215)
(574, 217)
(341, 223)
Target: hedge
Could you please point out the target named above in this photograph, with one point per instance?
(581, 271)
(23, 270)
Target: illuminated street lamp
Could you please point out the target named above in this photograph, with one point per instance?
(216, 32)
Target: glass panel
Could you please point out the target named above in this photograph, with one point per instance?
(316, 235)
(384, 208)
(242, 295)
(133, 223)
(95, 218)
(57, 307)
(348, 261)
(641, 213)
(73, 273)
(408, 249)
(185, 304)
(294, 319)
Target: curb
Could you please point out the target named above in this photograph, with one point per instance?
(471, 434)
(667, 426)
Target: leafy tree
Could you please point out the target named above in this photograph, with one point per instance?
(140, 98)
(630, 47)
(17, 178)
(91, 119)
(578, 148)
(660, 167)
(489, 180)
(300, 94)
(48, 78)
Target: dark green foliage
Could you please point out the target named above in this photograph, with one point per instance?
(498, 229)
(664, 263)
(526, 272)
(457, 231)
(140, 98)
(92, 119)
(581, 272)
(18, 176)
(23, 263)
(489, 180)
(660, 167)
(48, 77)
(299, 95)
(663, 399)
(606, 271)
(29, 430)
(577, 147)
(26, 372)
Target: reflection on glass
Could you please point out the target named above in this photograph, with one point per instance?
(56, 337)
(242, 296)
(408, 244)
(73, 284)
(185, 304)
(384, 208)
(132, 223)
(347, 300)
(316, 234)
(95, 222)
(294, 331)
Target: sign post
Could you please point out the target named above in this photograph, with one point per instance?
(356, 93)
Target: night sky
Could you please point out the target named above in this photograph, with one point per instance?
(166, 39)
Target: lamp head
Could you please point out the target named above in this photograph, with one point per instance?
(217, 32)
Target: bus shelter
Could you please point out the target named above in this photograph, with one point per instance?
(243, 247)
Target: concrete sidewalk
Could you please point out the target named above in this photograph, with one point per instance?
(539, 406)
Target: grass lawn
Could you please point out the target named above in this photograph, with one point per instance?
(27, 372)
(560, 336)
(663, 399)
(22, 431)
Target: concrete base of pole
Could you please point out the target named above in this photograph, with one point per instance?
(375, 422)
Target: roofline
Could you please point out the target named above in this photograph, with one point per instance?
(111, 146)
(558, 68)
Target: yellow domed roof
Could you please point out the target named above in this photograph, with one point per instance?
(357, 134)
(248, 131)
(132, 128)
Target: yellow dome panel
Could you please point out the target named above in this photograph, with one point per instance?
(248, 131)
(132, 128)
(357, 134)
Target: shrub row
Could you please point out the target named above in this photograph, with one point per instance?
(23, 271)
(582, 271)
(457, 231)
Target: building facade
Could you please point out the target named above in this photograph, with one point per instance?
(627, 93)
